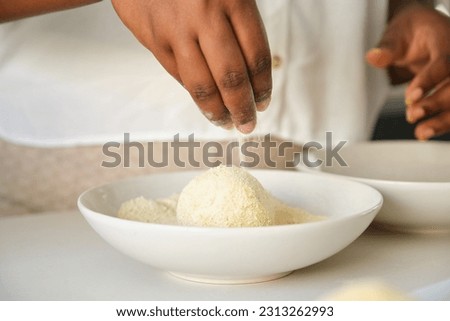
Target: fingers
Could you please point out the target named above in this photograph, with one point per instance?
(164, 54)
(428, 78)
(436, 107)
(218, 50)
(430, 105)
(416, 42)
(229, 71)
(248, 27)
(438, 125)
(199, 82)
(227, 67)
(390, 50)
(409, 45)
(380, 57)
(216, 77)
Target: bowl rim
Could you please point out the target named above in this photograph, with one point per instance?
(228, 230)
(374, 180)
(302, 168)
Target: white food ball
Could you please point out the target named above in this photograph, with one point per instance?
(225, 197)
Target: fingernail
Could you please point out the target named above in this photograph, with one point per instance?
(375, 51)
(228, 126)
(409, 117)
(209, 115)
(413, 115)
(262, 105)
(263, 99)
(418, 113)
(427, 133)
(375, 56)
(247, 128)
(414, 96)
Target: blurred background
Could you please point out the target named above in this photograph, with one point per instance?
(392, 123)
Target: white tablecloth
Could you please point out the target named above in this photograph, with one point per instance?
(57, 256)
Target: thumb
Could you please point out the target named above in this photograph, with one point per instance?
(388, 52)
(380, 57)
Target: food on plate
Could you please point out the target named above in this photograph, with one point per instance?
(220, 197)
(161, 211)
(225, 197)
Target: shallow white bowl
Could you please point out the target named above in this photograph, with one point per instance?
(413, 176)
(235, 255)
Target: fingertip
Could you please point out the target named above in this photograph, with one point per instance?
(409, 117)
(224, 124)
(414, 114)
(379, 57)
(263, 105)
(413, 95)
(374, 52)
(247, 128)
(228, 126)
(418, 113)
(424, 134)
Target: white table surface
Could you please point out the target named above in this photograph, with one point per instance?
(57, 256)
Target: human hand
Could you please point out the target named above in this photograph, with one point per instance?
(432, 112)
(417, 40)
(218, 50)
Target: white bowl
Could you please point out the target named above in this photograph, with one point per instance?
(235, 255)
(413, 176)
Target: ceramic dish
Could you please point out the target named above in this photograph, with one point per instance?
(412, 176)
(235, 255)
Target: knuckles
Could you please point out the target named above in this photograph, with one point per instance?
(233, 79)
(263, 95)
(261, 65)
(204, 92)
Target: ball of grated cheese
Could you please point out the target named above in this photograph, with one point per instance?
(225, 197)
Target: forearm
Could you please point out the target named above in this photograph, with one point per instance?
(16, 9)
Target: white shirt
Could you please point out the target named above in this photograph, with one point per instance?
(80, 77)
